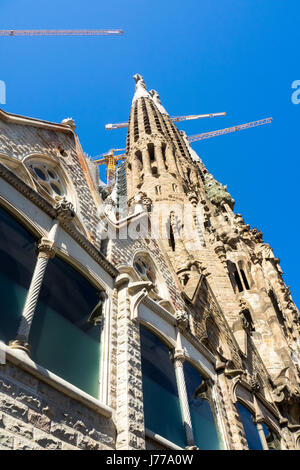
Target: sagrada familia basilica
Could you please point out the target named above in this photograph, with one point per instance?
(143, 314)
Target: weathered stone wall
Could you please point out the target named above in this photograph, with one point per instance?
(33, 415)
(19, 141)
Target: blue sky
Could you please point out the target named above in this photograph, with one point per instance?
(238, 56)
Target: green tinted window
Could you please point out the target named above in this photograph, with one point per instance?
(161, 402)
(17, 261)
(62, 340)
(203, 422)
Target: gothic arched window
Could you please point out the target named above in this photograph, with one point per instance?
(145, 269)
(250, 429)
(260, 435)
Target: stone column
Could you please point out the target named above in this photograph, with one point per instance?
(146, 162)
(159, 158)
(262, 436)
(179, 359)
(46, 251)
(136, 173)
(172, 163)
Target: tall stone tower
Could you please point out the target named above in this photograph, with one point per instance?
(243, 274)
(160, 168)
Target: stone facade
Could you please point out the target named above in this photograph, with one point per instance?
(179, 262)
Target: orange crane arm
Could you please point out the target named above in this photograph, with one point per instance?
(103, 161)
(60, 32)
(120, 125)
(207, 135)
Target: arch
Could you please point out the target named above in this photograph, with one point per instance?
(160, 288)
(22, 219)
(243, 396)
(42, 168)
(63, 184)
(164, 338)
(247, 418)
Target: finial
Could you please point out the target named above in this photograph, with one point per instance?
(156, 98)
(138, 78)
(69, 122)
(140, 88)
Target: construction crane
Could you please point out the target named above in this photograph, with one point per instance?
(110, 159)
(174, 119)
(208, 135)
(60, 32)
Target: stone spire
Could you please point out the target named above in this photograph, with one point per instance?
(156, 99)
(140, 88)
(160, 170)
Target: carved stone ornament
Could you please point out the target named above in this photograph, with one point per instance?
(179, 356)
(231, 371)
(97, 313)
(64, 210)
(138, 291)
(69, 122)
(147, 203)
(46, 248)
(182, 319)
(285, 391)
(245, 316)
(254, 383)
(193, 198)
(220, 252)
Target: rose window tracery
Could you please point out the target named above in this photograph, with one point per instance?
(48, 179)
(145, 271)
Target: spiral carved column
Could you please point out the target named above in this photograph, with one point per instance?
(46, 251)
(183, 398)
